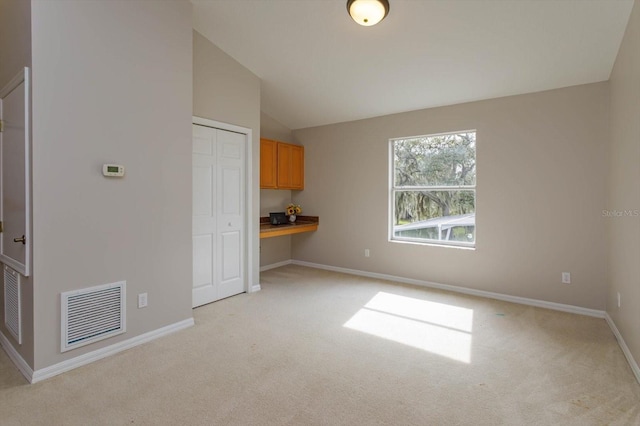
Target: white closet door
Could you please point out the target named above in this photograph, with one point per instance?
(218, 214)
(231, 208)
(15, 174)
(204, 215)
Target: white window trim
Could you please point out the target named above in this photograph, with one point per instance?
(392, 190)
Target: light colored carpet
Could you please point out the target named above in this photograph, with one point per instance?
(283, 356)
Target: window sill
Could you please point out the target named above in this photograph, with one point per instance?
(433, 244)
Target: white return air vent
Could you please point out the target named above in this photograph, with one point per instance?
(92, 314)
(12, 302)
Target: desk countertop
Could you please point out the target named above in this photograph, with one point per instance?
(302, 224)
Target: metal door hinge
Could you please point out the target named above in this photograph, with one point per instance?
(1, 126)
(0, 226)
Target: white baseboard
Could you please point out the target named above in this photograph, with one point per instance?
(16, 358)
(275, 265)
(70, 364)
(255, 288)
(623, 345)
(515, 299)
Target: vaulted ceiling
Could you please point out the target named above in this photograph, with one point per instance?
(317, 66)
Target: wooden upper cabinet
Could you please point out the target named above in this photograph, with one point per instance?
(284, 165)
(281, 165)
(268, 164)
(297, 167)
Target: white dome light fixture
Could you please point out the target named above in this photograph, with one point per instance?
(368, 12)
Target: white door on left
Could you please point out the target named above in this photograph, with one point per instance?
(219, 164)
(15, 186)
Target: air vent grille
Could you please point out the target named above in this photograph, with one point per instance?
(12, 302)
(92, 314)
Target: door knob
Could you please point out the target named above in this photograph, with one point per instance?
(22, 240)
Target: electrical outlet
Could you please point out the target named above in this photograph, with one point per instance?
(566, 278)
(367, 253)
(142, 300)
(618, 299)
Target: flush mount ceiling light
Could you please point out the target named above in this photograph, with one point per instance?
(368, 12)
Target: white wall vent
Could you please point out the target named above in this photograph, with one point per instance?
(92, 314)
(12, 303)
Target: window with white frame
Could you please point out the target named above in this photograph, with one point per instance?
(433, 189)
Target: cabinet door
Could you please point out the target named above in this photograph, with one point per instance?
(268, 164)
(281, 165)
(297, 167)
(284, 165)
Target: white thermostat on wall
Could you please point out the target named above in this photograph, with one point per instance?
(113, 170)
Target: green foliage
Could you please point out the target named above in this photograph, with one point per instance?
(434, 161)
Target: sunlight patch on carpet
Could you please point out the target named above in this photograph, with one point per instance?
(433, 327)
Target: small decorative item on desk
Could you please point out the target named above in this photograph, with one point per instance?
(293, 210)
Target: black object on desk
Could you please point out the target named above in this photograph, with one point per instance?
(278, 218)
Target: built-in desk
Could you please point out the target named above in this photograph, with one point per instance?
(302, 224)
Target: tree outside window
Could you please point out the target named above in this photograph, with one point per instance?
(433, 188)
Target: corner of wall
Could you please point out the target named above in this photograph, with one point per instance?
(623, 207)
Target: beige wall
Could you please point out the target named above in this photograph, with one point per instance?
(15, 54)
(541, 167)
(277, 249)
(112, 83)
(15, 38)
(624, 188)
(224, 90)
(271, 128)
